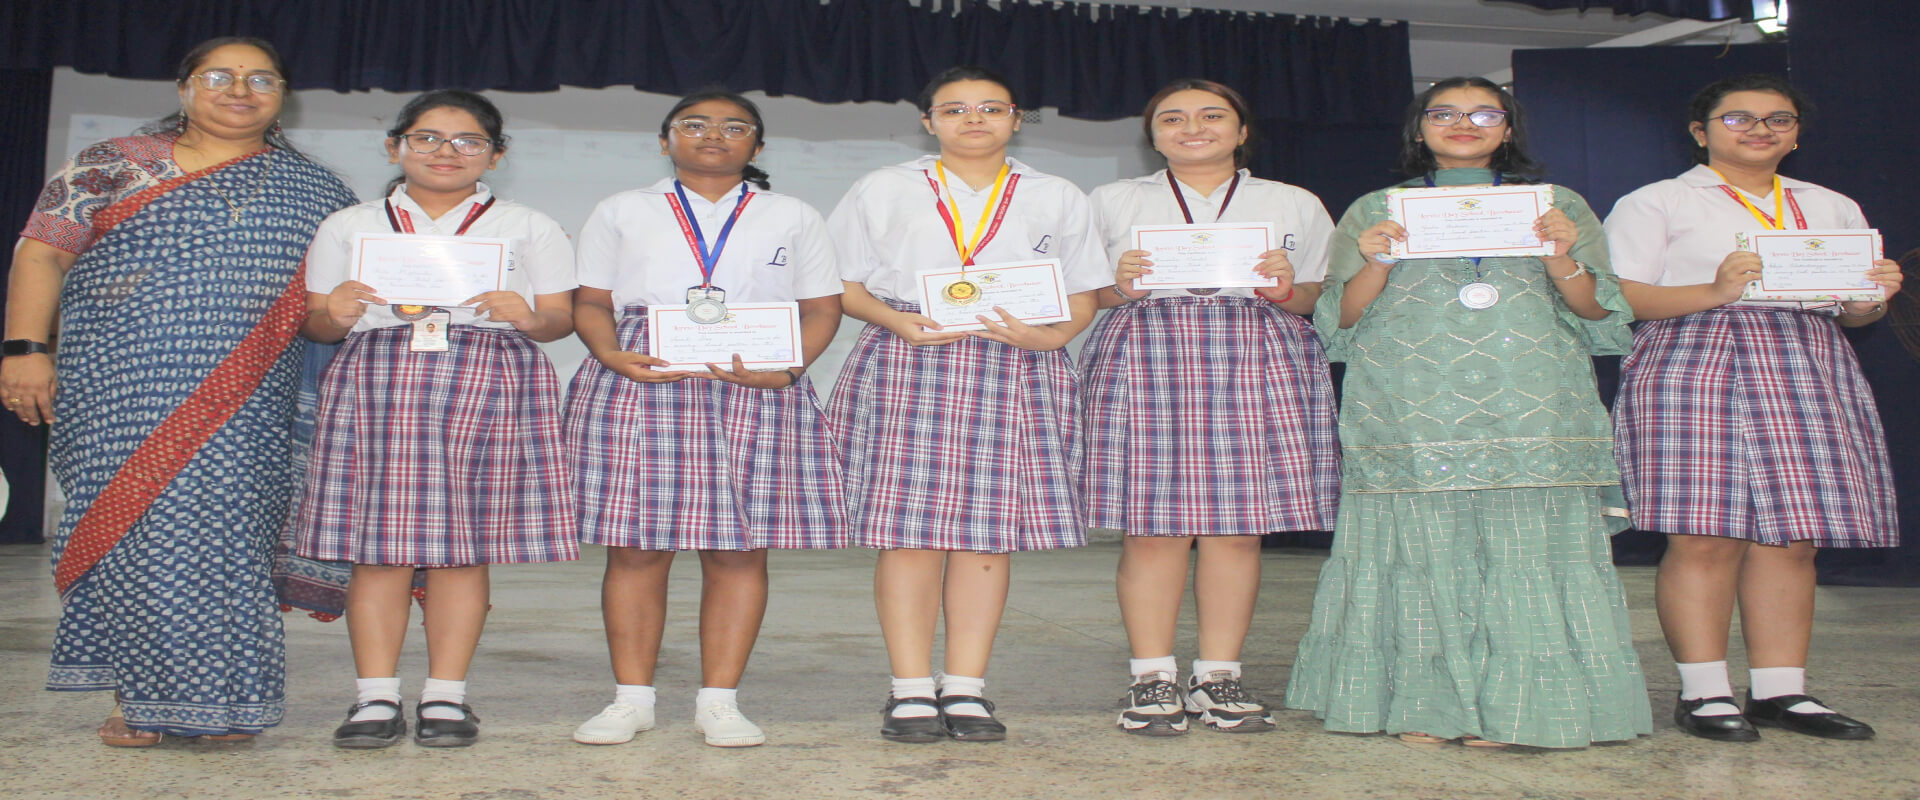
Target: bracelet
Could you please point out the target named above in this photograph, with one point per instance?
(1877, 308)
(1579, 268)
(792, 377)
(1123, 295)
(1283, 299)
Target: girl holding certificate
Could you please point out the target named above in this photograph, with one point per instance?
(1746, 431)
(961, 446)
(437, 436)
(1182, 444)
(726, 461)
(1471, 593)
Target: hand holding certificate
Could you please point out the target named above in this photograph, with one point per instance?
(1813, 265)
(766, 336)
(1470, 221)
(1204, 256)
(1030, 291)
(412, 269)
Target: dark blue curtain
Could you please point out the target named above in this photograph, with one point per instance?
(1684, 9)
(23, 147)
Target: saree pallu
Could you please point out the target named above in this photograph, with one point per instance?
(178, 364)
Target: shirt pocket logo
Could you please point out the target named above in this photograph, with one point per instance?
(779, 257)
(1045, 244)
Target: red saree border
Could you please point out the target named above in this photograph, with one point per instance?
(168, 449)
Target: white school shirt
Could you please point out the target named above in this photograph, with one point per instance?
(1299, 220)
(888, 228)
(540, 260)
(1677, 231)
(632, 245)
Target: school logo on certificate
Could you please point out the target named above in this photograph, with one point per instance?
(1469, 203)
(1816, 245)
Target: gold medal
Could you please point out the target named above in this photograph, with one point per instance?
(411, 313)
(961, 292)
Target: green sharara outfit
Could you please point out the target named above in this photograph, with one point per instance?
(1471, 589)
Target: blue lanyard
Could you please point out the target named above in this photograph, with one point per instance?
(1476, 259)
(709, 259)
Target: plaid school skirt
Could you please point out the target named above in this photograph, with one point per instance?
(437, 459)
(1208, 416)
(972, 446)
(700, 464)
(1755, 424)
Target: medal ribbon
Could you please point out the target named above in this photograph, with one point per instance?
(1231, 188)
(403, 222)
(697, 241)
(1779, 195)
(984, 232)
(1477, 275)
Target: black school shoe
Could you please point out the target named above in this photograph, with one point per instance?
(1773, 712)
(446, 732)
(371, 734)
(1722, 728)
(912, 730)
(970, 728)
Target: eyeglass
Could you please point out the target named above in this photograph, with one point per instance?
(1778, 123)
(696, 128)
(989, 110)
(427, 144)
(220, 80)
(1484, 118)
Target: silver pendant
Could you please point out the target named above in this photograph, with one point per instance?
(706, 311)
(1479, 295)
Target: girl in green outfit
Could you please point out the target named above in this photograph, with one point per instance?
(1471, 593)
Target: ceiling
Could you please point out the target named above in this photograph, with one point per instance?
(1477, 37)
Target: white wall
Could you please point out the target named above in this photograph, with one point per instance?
(574, 146)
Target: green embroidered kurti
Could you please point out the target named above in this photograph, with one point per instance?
(1471, 589)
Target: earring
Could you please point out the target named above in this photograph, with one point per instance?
(276, 132)
(1796, 147)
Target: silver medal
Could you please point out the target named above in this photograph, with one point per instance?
(706, 305)
(1479, 295)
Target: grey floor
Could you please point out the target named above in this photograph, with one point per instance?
(819, 675)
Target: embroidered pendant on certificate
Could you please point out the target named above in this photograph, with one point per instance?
(1479, 295)
(706, 304)
(411, 313)
(961, 292)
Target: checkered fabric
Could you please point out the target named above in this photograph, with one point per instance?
(973, 445)
(1756, 424)
(438, 459)
(700, 464)
(1208, 416)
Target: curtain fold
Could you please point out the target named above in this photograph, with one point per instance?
(1681, 9)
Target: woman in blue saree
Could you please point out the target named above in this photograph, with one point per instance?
(175, 260)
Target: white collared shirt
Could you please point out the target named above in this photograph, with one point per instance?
(541, 260)
(1299, 220)
(1677, 231)
(632, 245)
(888, 227)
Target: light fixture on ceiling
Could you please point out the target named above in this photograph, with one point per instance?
(1770, 16)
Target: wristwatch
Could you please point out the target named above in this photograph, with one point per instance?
(21, 347)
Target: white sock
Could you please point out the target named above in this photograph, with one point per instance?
(914, 687)
(1140, 667)
(966, 687)
(1707, 679)
(708, 696)
(633, 694)
(1777, 681)
(371, 689)
(448, 691)
(1203, 668)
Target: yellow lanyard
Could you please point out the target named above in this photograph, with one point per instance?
(958, 229)
(1779, 221)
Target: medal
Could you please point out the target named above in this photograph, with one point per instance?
(706, 304)
(412, 313)
(1188, 214)
(402, 222)
(960, 293)
(1479, 295)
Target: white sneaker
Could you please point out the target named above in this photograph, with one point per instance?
(615, 724)
(725, 726)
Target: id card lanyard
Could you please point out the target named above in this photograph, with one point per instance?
(706, 303)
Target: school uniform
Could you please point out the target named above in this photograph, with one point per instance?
(439, 459)
(973, 445)
(1210, 412)
(1751, 420)
(702, 464)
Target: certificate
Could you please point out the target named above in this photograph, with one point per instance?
(1813, 265)
(765, 335)
(1470, 221)
(1204, 256)
(405, 268)
(1030, 290)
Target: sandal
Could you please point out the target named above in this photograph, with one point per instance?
(116, 733)
(1475, 741)
(227, 737)
(1416, 737)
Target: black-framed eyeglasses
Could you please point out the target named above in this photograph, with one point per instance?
(427, 144)
(990, 110)
(220, 80)
(732, 130)
(1483, 118)
(1778, 123)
